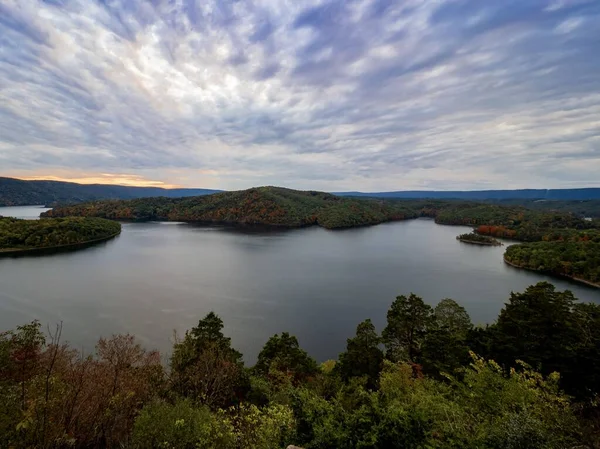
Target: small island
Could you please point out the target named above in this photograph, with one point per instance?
(478, 239)
(21, 237)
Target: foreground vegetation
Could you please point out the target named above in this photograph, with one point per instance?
(18, 234)
(272, 206)
(418, 384)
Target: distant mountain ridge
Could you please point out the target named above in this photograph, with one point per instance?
(590, 193)
(17, 192)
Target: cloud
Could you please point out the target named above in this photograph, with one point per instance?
(334, 95)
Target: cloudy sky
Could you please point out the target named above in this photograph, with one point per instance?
(330, 95)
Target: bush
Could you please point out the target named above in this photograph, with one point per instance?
(180, 426)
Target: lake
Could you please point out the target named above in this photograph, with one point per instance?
(314, 283)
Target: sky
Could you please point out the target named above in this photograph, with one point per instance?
(326, 95)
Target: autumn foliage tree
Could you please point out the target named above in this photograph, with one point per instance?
(54, 396)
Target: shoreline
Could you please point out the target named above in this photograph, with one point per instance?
(549, 273)
(57, 248)
(242, 224)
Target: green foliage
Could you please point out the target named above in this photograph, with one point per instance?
(445, 348)
(581, 208)
(407, 322)
(180, 426)
(263, 205)
(363, 356)
(512, 222)
(271, 427)
(28, 234)
(284, 355)
(575, 259)
(487, 408)
(548, 330)
(184, 425)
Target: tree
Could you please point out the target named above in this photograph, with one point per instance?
(284, 354)
(407, 322)
(586, 366)
(206, 368)
(538, 326)
(363, 356)
(445, 346)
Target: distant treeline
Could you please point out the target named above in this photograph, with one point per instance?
(32, 234)
(485, 195)
(430, 379)
(581, 208)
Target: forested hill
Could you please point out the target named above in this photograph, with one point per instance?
(19, 235)
(262, 205)
(16, 192)
(523, 194)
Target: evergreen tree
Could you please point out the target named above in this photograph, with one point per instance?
(363, 356)
(407, 321)
(445, 346)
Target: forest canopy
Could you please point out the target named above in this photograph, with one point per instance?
(18, 234)
(580, 259)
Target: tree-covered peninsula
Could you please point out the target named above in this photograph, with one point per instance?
(429, 379)
(20, 235)
(273, 206)
(579, 260)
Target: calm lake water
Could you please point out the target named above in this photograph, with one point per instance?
(317, 284)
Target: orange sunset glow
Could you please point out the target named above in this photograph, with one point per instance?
(122, 179)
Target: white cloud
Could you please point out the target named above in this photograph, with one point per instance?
(369, 95)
